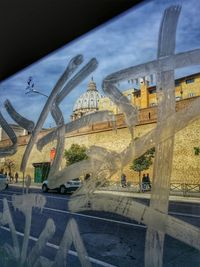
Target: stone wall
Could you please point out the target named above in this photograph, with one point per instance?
(186, 165)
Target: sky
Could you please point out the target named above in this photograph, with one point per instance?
(127, 40)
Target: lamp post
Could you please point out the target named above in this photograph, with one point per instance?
(181, 92)
(30, 89)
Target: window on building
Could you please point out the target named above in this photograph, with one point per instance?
(129, 96)
(149, 115)
(189, 80)
(177, 83)
(191, 94)
(137, 95)
(178, 98)
(152, 104)
(152, 91)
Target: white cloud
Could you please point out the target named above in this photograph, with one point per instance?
(129, 40)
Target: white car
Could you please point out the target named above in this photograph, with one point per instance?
(68, 187)
(3, 182)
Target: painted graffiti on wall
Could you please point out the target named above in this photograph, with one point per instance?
(103, 163)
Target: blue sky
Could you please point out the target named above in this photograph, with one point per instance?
(127, 40)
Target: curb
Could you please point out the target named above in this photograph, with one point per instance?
(148, 196)
(38, 186)
(129, 194)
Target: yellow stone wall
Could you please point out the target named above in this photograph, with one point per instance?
(144, 95)
(189, 89)
(186, 165)
(129, 93)
(106, 104)
(152, 99)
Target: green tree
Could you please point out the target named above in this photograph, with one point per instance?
(9, 165)
(143, 163)
(75, 153)
(196, 151)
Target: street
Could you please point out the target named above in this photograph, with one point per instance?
(109, 239)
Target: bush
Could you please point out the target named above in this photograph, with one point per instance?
(75, 154)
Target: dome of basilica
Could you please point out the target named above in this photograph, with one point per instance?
(87, 102)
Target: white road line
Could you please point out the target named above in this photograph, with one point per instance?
(18, 193)
(191, 204)
(91, 217)
(71, 252)
(63, 198)
(120, 222)
(184, 214)
(115, 221)
(95, 217)
(181, 200)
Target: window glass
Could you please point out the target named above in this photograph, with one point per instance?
(120, 190)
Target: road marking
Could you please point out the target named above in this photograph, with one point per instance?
(111, 220)
(95, 217)
(190, 204)
(184, 214)
(18, 193)
(12, 192)
(71, 252)
(90, 216)
(67, 198)
(172, 198)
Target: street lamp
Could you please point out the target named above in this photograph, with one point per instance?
(30, 88)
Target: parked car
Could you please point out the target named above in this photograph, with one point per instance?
(3, 182)
(69, 187)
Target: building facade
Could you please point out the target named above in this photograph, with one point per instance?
(18, 130)
(145, 96)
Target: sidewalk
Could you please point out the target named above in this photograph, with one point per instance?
(187, 199)
(134, 192)
(20, 184)
(127, 192)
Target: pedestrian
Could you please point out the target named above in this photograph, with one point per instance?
(87, 176)
(16, 177)
(144, 182)
(148, 181)
(9, 177)
(123, 180)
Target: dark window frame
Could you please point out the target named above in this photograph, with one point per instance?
(190, 80)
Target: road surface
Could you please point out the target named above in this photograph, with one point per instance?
(110, 239)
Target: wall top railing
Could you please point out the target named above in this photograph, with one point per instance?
(176, 188)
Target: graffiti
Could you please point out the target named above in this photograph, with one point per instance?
(25, 204)
(12, 149)
(102, 163)
(162, 138)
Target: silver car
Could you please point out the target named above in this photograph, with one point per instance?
(68, 187)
